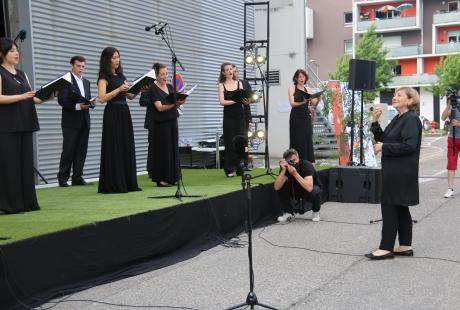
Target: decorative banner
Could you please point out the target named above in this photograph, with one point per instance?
(341, 111)
(180, 85)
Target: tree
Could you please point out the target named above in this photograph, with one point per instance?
(370, 47)
(448, 73)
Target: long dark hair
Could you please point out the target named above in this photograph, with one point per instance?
(6, 45)
(105, 63)
(157, 67)
(222, 71)
(296, 76)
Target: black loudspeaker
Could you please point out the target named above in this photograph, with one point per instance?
(355, 184)
(361, 74)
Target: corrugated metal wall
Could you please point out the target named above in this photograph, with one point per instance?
(205, 33)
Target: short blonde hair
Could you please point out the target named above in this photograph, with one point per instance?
(411, 93)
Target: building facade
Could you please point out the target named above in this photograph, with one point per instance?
(205, 34)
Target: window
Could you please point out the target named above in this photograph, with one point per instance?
(273, 77)
(397, 70)
(348, 46)
(453, 6)
(347, 18)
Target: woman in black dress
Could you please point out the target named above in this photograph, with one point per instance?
(400, 147)
(118, 159)
(18, 120)
(234, 117)
(161, 121)
(300, 125)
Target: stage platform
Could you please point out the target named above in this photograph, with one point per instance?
(80, 237)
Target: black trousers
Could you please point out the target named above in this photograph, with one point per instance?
(290, 204)
(17, 189)
(232, 127)
(395, 220)
(73, 156)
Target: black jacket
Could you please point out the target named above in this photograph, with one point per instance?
(400, 159)
(72, 118)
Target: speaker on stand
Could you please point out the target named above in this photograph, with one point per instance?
(361, 76)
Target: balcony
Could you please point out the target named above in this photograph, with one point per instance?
(383, 24)
(447, 48)
(402, 51)
(446, 17)
(413, 80)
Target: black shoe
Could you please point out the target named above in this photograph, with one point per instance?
(79, 182)
(164, 184)
(63, 184)
(405, 253)
(380, 257)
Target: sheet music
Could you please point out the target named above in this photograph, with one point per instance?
(191, 90)
(66, 77)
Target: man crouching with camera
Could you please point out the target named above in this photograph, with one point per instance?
(298, 186)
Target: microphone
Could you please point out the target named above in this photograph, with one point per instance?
(160, 30)
(247, 47)
(22, 34)
(147, 28)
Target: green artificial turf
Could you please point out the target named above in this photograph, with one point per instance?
(73, 206)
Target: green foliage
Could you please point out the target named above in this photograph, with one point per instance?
(448, 73)
(370, 47)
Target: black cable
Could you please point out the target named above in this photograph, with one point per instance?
(124, 305)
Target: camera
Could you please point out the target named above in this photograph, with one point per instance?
(291, 162)
(453, 98)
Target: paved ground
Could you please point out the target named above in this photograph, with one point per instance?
(307, 265)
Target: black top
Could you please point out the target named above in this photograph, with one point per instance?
(235, 110)
(301, 111)
(305, 169)
(246, 107)
(113, 82)
(400, 158)
(19, 116)
(157, 94)
(72, 118)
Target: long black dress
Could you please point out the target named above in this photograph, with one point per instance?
(17, 123)
(300, 129)
(234, 125)
(163, 138)
(118, 159)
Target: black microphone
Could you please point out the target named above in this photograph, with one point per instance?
(247, 47)
(147, 28)
(160, 30)
(21, 35)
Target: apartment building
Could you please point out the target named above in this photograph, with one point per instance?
(418, 33)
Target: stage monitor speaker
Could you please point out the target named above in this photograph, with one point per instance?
(355, 184)
(361, 74)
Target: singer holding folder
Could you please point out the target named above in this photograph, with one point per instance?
(117, 172)
(300, 122)
(161, 121)
(75, 125)
(18, 121)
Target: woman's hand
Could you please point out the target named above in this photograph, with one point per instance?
(247, 101)
(179, 103)
(376, 114)
(29, 94)
(143, 89)
(378, 147)
(124, 87)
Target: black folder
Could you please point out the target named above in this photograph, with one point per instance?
(311, 96)
(55, 85)
(80, 99)
(180, 96)
(241, 94)
(142, 81)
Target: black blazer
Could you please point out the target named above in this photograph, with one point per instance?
(400, 158)
(72, 118)
(146, 100)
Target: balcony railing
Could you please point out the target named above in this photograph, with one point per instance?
(401, 51)
(413, 80)
(446, 17)
(382, 24)
(447, 48)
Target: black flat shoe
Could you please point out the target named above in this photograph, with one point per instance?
(379, 257)
(159, 184)
(405, 253)
(79, 182)
(63, 184)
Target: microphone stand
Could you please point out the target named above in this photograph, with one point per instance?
(166, 37)
(251, 299)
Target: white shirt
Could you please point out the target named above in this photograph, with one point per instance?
(81, 87)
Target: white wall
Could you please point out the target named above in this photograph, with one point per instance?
(426, 104)
(287, 54)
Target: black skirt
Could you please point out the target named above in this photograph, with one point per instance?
(117, 172)
(164, 152)
(301, 136)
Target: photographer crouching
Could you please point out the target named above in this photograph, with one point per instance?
(297, 186)
(452, 112)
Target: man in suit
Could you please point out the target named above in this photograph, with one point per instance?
(75, 125)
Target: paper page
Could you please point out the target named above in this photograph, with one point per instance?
(191, 90)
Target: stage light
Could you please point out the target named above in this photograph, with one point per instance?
(249, 59)
(250, 134)
(255, 97)
(260, 59)
(260, 134)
